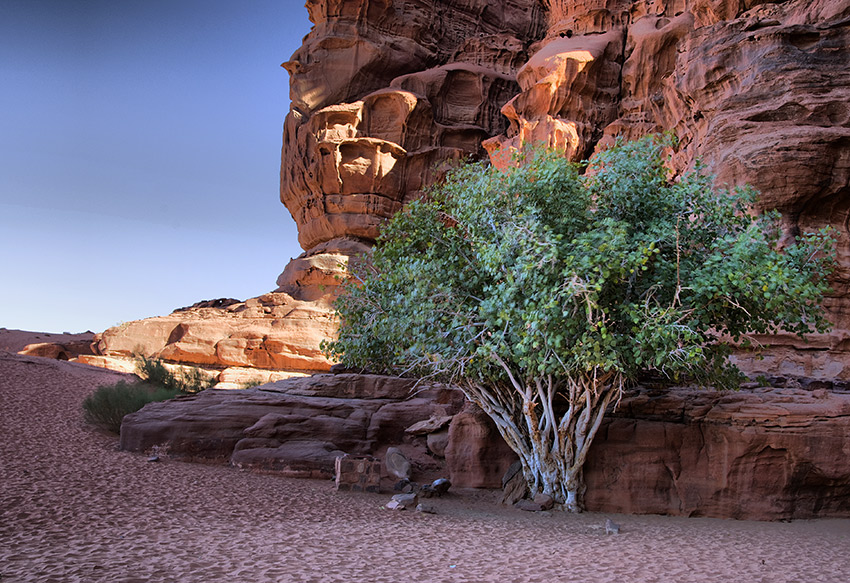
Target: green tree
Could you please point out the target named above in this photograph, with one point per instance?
(542, 290)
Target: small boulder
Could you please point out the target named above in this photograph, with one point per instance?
(441, 486)
(540, 503)
(545, 501)
(436, 488)
(438, 442)
(430, 425)
(425, 508)
(403, 502)
(397, 464)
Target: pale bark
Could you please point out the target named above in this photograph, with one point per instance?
(550, 423)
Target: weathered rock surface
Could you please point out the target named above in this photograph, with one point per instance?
(476, 455)
(385, 93)
(758, 90)
(762, 454)
(65, 346)
(381, 92)
(59, 351)
(262, 339)
(295, 427)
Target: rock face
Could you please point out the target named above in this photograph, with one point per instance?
(386, 93)
(295, 427)
(763, 454)
(758, 90)
(381, 91)
(476, 454)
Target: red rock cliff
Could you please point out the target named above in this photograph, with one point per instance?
(383, 91)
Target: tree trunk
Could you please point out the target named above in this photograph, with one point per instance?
(552, 445)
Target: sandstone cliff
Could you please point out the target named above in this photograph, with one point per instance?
(384, 91)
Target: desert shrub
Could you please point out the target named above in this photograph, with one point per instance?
(183, 379)
(107, 406)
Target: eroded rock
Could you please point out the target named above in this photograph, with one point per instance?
(295, 427)
(476, 455)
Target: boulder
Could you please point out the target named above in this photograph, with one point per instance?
(476, 455)
(403, 502)
(540, 503)
(291, 427)
(397, 465)
(438, 442)
(437, 488)
(430, 425)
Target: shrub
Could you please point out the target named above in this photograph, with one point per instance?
(183, 379)
(106, 407)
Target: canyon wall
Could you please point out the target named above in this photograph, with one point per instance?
(385, 92)
(382, 92)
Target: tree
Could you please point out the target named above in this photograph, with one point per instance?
(542, 290)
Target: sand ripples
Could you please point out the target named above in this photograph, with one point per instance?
(74, 509)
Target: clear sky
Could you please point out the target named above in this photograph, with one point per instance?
(139, 156)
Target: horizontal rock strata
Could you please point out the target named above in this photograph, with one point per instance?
(762, 454)
(295, 427)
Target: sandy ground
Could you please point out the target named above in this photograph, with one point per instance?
(74, 508)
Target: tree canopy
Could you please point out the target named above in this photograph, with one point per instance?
(543, 289)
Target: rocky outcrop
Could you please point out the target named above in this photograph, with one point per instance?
(385, 94)
(276, 335)
(756, 90)
(295, 427)
(381, 93)
(760, 454)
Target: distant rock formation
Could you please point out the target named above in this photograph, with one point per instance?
(267, 338)
(385, 93)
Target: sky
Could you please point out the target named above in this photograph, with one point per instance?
(140, 156)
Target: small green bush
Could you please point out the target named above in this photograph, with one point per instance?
(106, 407)
(185, 379)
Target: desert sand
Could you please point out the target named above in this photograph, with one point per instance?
(73, 508)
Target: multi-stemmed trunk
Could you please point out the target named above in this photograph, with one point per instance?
(550, 423)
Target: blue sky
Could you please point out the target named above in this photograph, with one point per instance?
(139, 156)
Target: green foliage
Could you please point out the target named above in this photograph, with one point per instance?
(106, 407)
(551, 268)
(182, 379)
